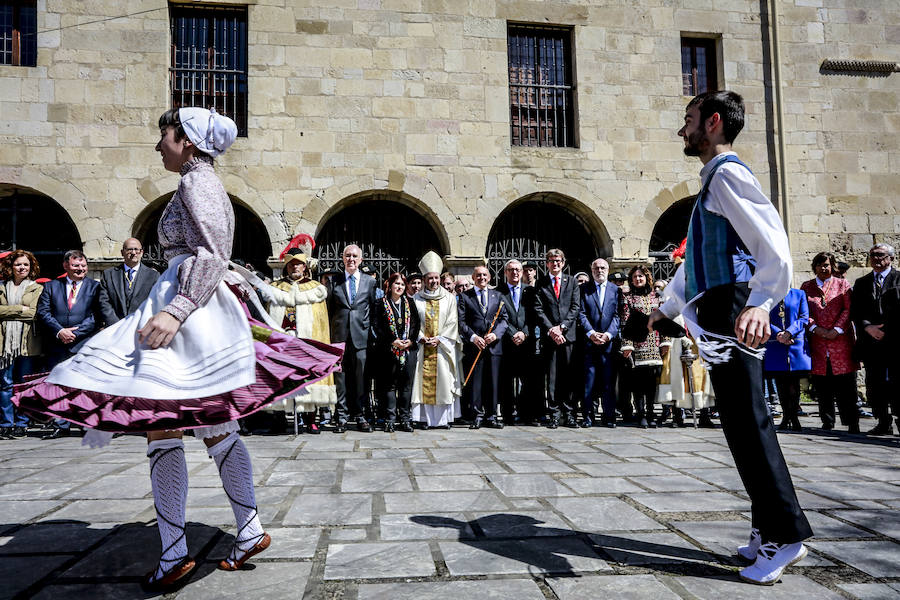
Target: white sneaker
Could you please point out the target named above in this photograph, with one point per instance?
(771, 561)
(749, 551)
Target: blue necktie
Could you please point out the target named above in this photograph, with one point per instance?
(129, 273)
(353, 288)
(515, 297)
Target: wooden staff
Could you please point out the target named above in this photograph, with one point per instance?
(490, 329)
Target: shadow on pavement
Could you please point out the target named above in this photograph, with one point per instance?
(546, 548)
(76, 553)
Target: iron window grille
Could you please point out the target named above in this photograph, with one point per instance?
(541, 86)
(698, 66)
(18, 34)
(209, 59)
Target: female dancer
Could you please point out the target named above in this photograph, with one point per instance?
(189, 357)
(20, 344)
(647, 354)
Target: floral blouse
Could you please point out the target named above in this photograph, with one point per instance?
(645, 353)
(199, 221)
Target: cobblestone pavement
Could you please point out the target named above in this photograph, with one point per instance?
(522, 513)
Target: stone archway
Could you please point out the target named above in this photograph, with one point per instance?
(251, 239)
(392, 232)
(30, 220)
(529, 227)
(668, 232)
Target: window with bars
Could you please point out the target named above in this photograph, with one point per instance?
(698, 65)
(18, 34)
(209, 59)
(541, 86)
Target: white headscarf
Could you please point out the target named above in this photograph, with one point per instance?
(209, 131)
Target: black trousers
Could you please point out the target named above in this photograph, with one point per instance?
(881, 389)
(393, 389)
(483, 389)
(747, 426)
(840, 389)
(351, 386)
(558, 365)
(644, 386)
(788, 385)
(514, 370)
(622, 385)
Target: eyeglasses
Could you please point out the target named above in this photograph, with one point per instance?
(878, 254)
(554, 260)
(134, 250)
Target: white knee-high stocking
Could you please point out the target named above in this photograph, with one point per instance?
(236, 472)
(169, 477)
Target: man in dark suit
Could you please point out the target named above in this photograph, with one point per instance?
(66, 310)
(351, 295)
(124, 288)
(557, 302)
(873, 307)
(477, 308)
(599, 317)
(517, 366)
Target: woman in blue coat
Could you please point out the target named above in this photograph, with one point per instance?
(787, 356)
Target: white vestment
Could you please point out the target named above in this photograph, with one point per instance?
(437, 385)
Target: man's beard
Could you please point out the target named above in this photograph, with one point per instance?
(692, 148)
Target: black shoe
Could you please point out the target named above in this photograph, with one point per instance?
(19, 432)
(587, 423)
(796, 426)
(364, 426)
(654, 424)
(706, 423)
(495, 424)
(610, 425)
(340, 428)
(881, 429)
(679, 424)
(389, 428)
(476, 424)
(644, 424)
(784, 425)
(57, 433)
(854, 428)
(553, 424)
(6, 433)
(406, 426)
(571, 423)
(827, 426)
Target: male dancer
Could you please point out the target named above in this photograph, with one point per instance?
(737, 266)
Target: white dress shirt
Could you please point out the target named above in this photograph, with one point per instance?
(601, 290)
(734, 193)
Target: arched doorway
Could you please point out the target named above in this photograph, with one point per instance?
(668, 233)
(527, 229)
(32, 221)
(251, 240)
(392, 235)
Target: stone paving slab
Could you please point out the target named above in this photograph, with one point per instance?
(381, 560)
(521, 557)
(424, 527)
(885, 522)
(453, 590)
(602, 514)
(872, 591)
(691, 501)
(791, 587)
(264, 580)
(20, 572)
(649, 548)
(621, 587)
(330, 509)
(880, 559)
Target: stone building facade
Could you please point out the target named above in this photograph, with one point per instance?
(406, 103)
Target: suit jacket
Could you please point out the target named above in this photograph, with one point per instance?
(796, 318)
(54, 313)
(602, 319)
(350, 322)
(518, 319)
(115, 303)
(550, 311)
(867, 309)
(474, 321)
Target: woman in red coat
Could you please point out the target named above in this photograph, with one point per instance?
(834, 370)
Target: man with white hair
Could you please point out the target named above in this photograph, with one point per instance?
(351, 295)
(873, 309)
(437, 385)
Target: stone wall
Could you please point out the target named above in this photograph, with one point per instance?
(349, 96)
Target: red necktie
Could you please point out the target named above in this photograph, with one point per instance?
(556, 287)
(72, 294)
